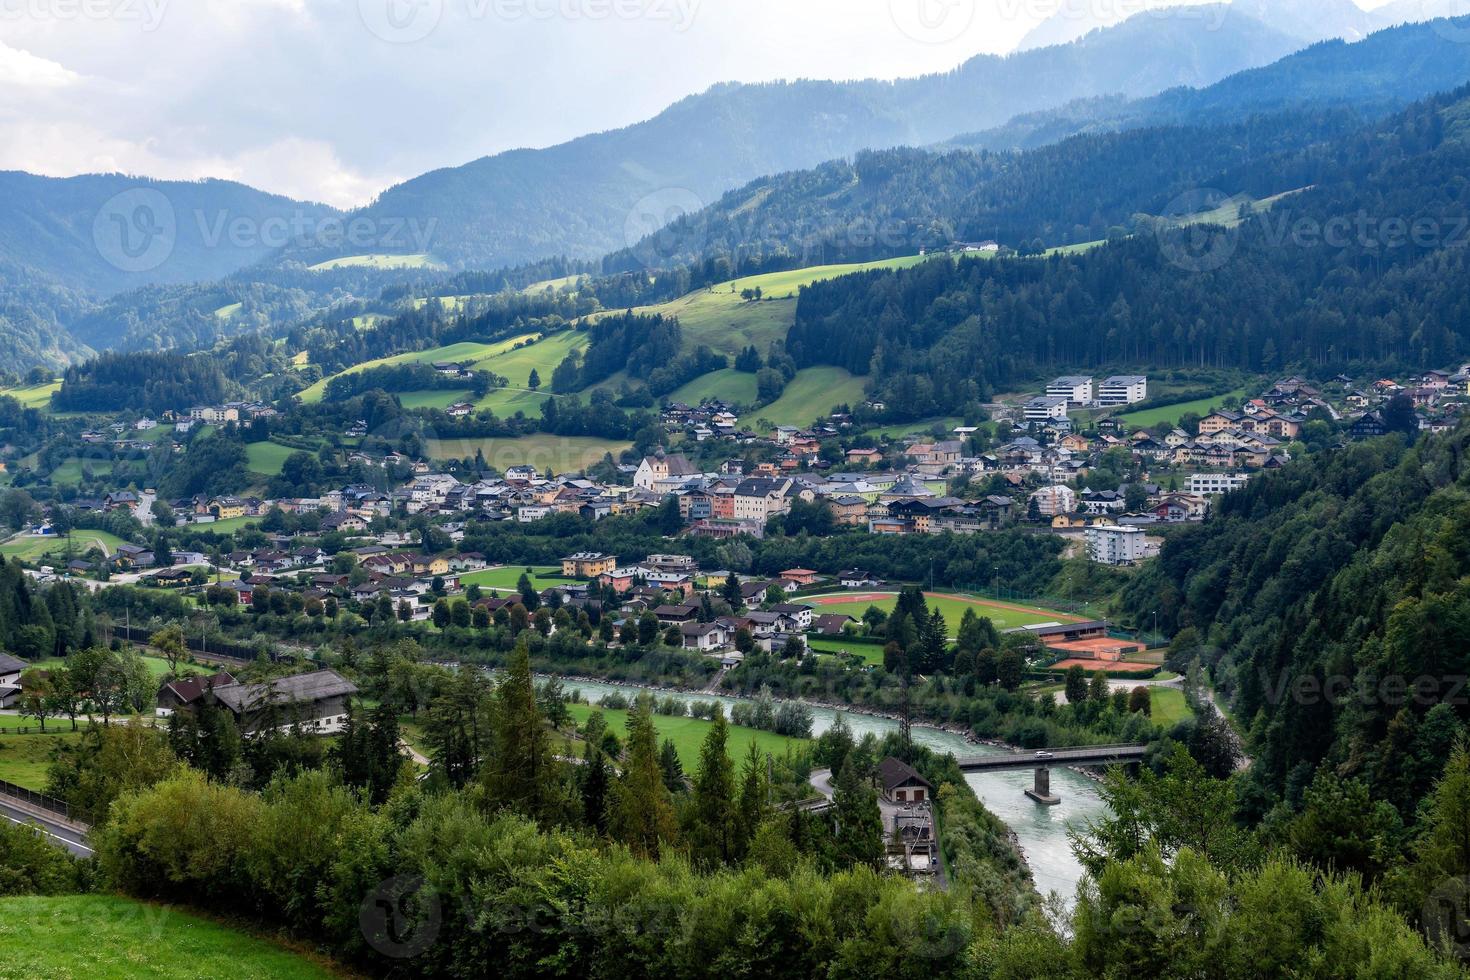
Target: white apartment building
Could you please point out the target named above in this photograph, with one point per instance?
(1059, 499)
(1047, 408)
(1208, 484)
(1075, 388)
(1111, 545)
(1122, 389)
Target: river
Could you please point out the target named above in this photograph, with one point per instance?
(1042, 830)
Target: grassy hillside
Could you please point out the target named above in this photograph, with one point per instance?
(544, 451)
(728, 385)
(103, 936)
(420, 261)
(811, 395)
(516, 364)
(267, 458)
(1172, 413)
(33, 396)
(464, 351)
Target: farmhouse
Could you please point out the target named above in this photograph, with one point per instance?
(317, 702)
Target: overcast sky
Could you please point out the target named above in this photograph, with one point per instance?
(334, 100)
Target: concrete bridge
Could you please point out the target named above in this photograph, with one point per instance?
(1043, 760)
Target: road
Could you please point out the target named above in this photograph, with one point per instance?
(1085, 755)
(58, 829)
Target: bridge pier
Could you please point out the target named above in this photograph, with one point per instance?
(1041, 788)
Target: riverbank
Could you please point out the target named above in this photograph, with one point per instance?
(1040, 832)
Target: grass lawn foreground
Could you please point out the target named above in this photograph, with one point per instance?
(103, 937)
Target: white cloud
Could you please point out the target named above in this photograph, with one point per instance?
(302, 97)
(21, 68)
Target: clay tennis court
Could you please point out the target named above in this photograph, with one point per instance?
(1120, 666)
(1099, 647)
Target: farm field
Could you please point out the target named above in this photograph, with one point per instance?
(688, 733)
(561, 454)
(729, 385)
(33, 396)
(781, 285)
(811, 395)
(505, 579)
(1172, 413)
(72, 470)
(1004, 615)
(106, 936)
(431, 398)
(378, 261)
(463, 351)
(227, 311)
(29, 548)
(267, 457)
(505, 402)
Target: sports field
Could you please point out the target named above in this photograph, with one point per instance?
(1005, 615)
(33, 548)
(688, 734)
(505, 578)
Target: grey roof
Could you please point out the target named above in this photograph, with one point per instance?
(304, 688)
(9, 664)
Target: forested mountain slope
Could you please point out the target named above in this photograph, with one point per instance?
(585, 197)
(1332, 603)
(1367, 266)
(1382, 72)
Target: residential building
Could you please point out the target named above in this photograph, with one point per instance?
(1074, 388)
(1209, 484)
(1047, 408)
(317, 702)
(1109, 544)
(1122, 389)
(587, 564)
(1054, 500)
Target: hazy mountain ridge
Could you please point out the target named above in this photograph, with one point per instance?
(581, 198)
